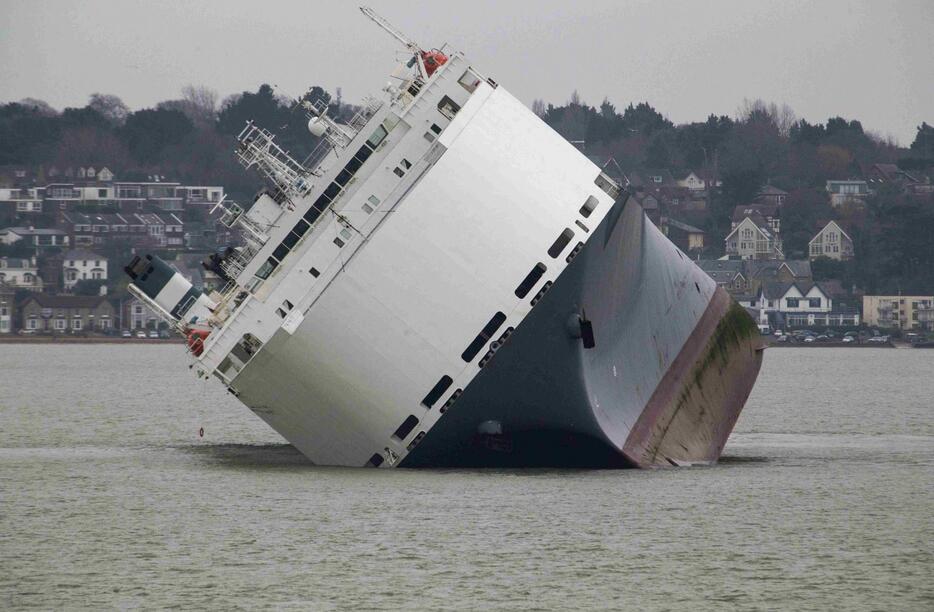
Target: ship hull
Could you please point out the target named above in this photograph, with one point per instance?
(673, 362)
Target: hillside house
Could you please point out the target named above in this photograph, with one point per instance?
(847, 192)
(752, 238)
(831, 242)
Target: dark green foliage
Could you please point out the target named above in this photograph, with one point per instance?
(148, 132)
(88, 287)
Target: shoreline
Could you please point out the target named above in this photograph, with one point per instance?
(88, 340)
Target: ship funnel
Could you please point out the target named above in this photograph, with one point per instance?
(166, 291)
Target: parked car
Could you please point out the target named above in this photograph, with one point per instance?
(140, 334)
(822, 338)
(809, 338)
(153, 334)
(164, 334)
(126, 334)
(27, 332)
(848, 339)
(878, 339)
(778, 332)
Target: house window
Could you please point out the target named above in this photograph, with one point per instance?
(814, 302)
(32, 324)
(59, 324)
(791, 302)
(76, 324)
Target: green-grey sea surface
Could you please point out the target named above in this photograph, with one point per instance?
(110, 499)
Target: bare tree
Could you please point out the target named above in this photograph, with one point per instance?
(111, 107)
(538, 107)
(203, 101)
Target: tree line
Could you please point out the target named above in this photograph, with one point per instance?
(192, 138)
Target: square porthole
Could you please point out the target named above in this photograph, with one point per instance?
(314, 272)
(399, 171)
(429, 137)
(405, 164)
(367, 208)
(339, 242)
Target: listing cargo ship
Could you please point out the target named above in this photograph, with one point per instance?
(446, 281)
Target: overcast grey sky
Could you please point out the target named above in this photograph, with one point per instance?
(867, 60)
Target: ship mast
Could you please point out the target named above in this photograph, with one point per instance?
(416, 50)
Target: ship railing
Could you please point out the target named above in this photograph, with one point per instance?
(313, 162)
(240, 259)
(370, 107)
(257, 148)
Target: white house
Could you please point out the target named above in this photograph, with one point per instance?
(20, 273)
(22, 200)
(832, 242)
(79, 265)
(803, 304)
(35, 237)
(694, 182)
(753, 239)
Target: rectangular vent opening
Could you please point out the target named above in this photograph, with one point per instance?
(560, 243)
(483, 337)
(338, 242)
(589, 206)
(314, 272)
(577, 249)
(415, 440)
(541, 292)
(450, 401)
(406, 428)
(437, 391)
(529, 281)
(376, 460)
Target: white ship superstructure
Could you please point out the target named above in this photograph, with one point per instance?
(382, 275)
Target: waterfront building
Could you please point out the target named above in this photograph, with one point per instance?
(800, 304)
(78, 265)
(66, 313)
(20, 273)
(905, 312)
(7, 308)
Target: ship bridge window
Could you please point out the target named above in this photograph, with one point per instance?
(266, 269)
(281, 251)
(448, 107)
(377, 137)
(469, 80)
